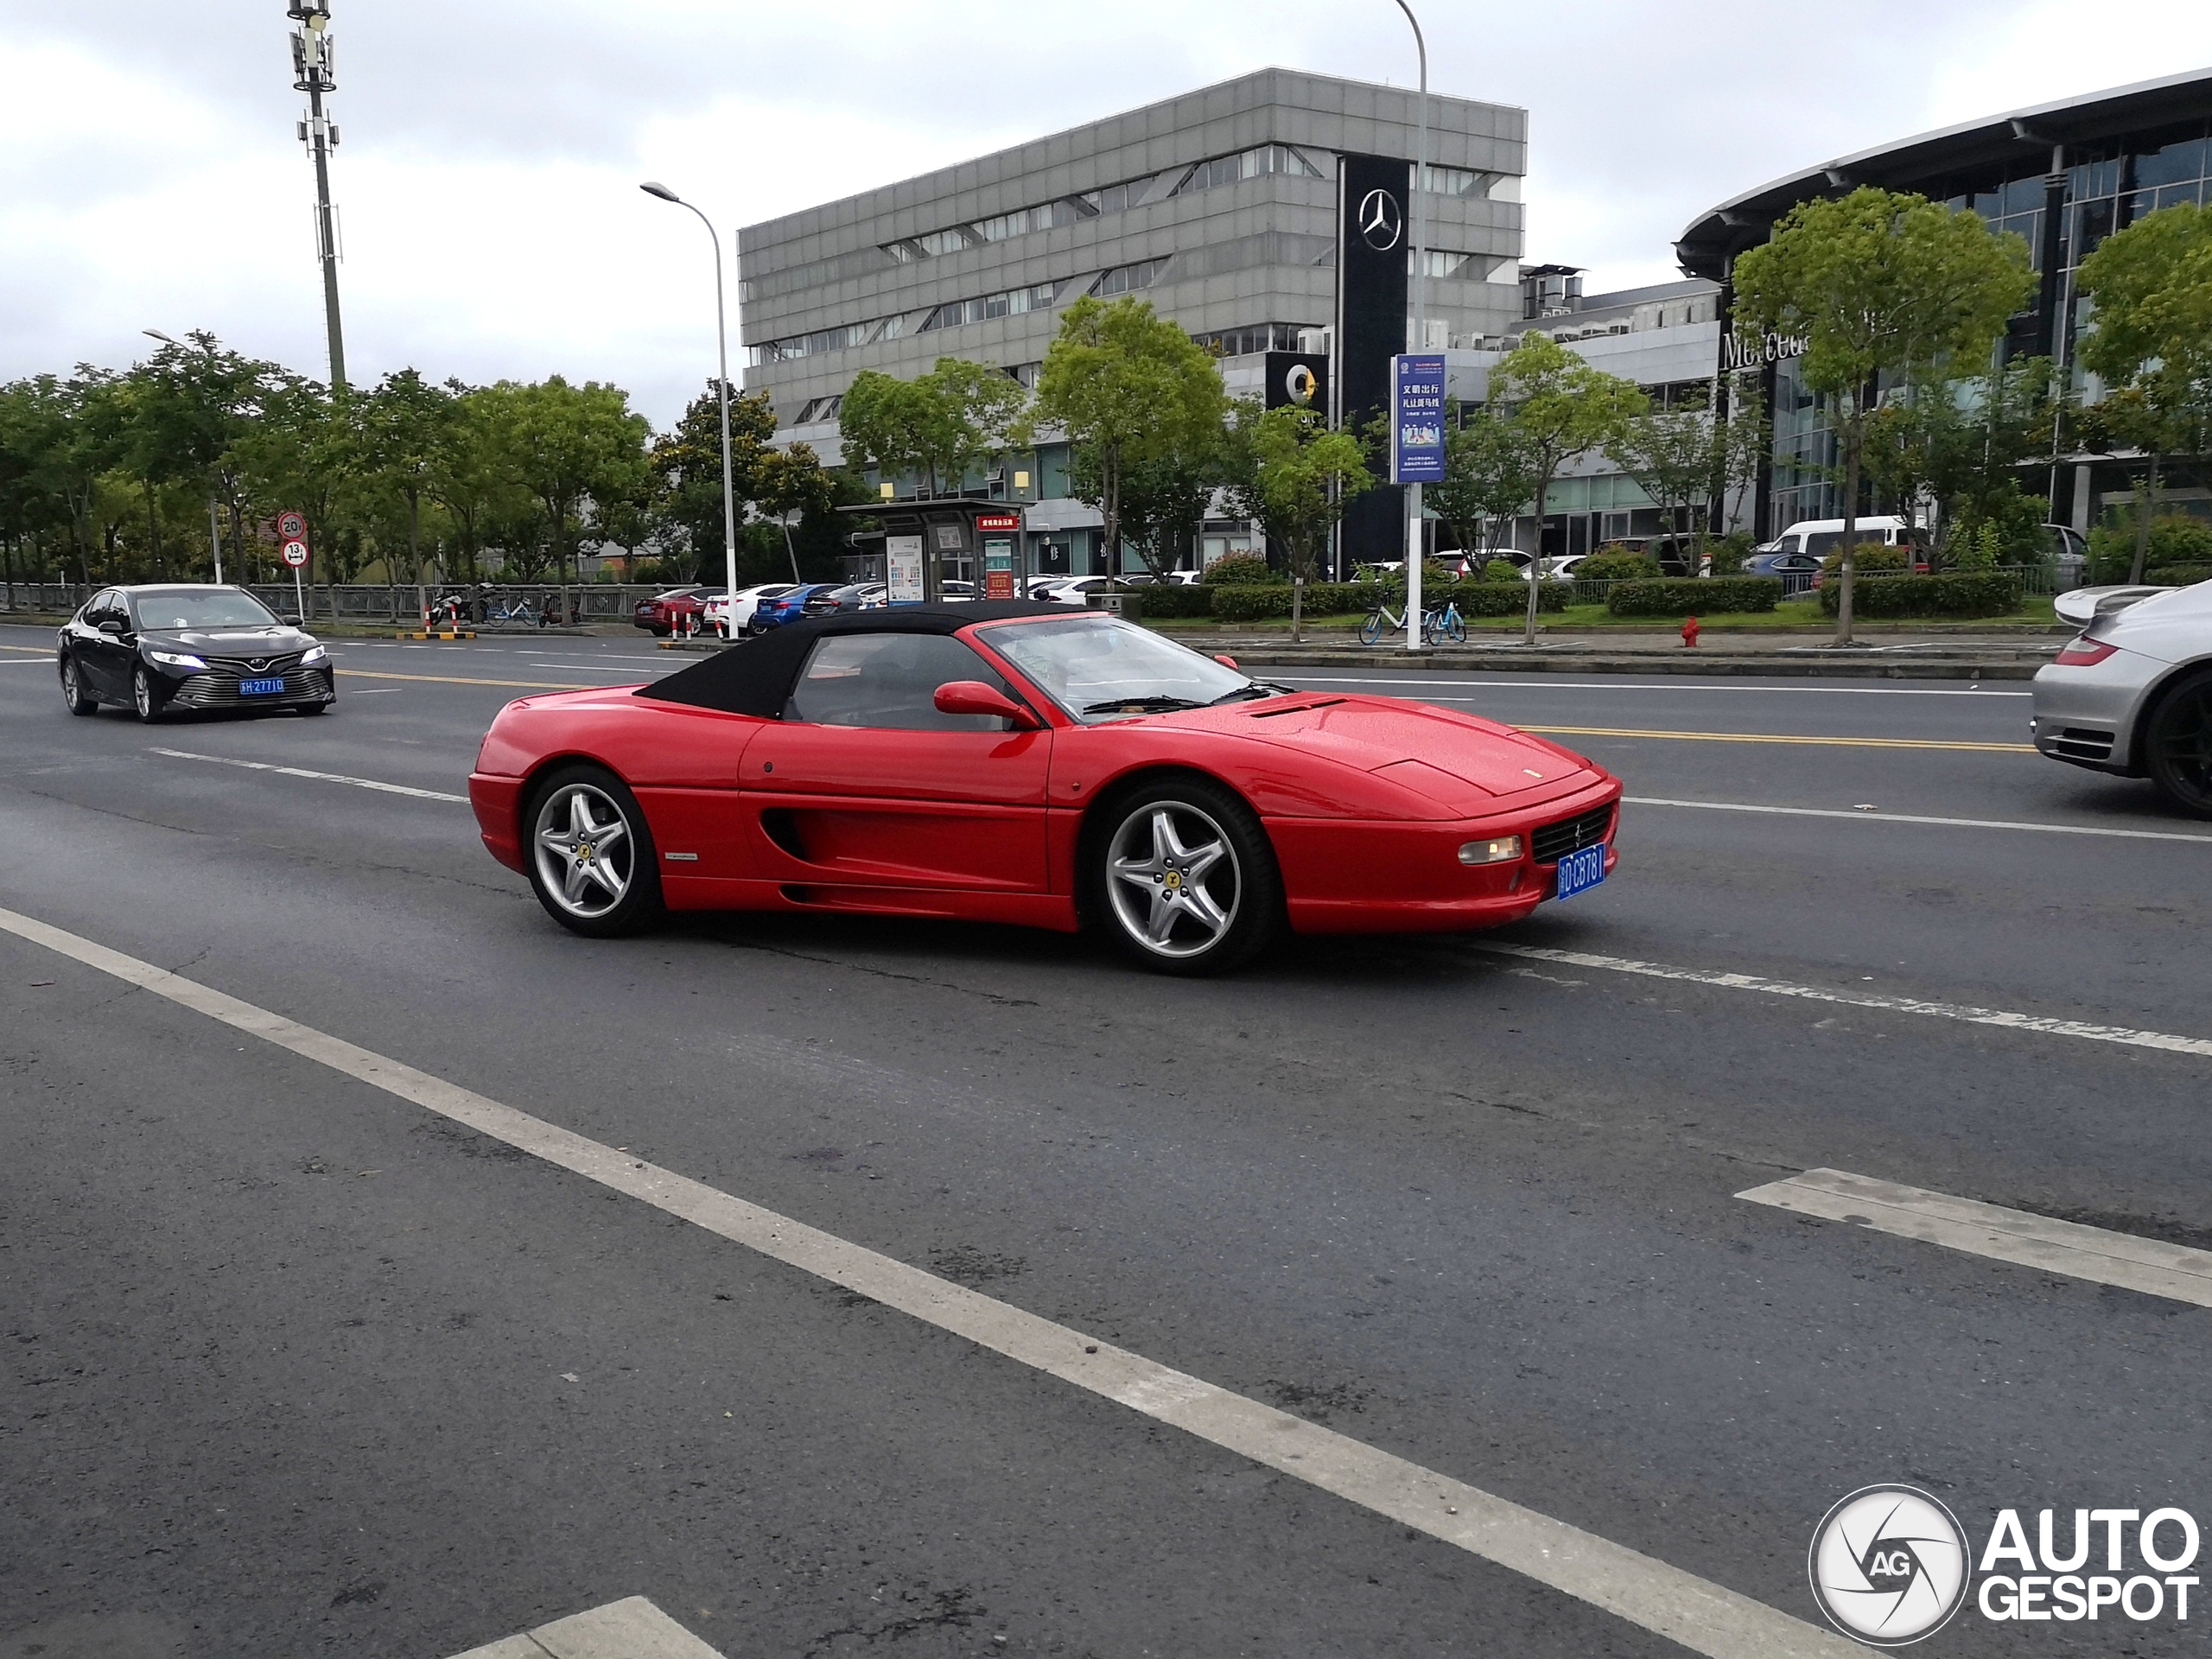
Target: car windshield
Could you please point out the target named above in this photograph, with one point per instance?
(1102, 668)
(209, 607)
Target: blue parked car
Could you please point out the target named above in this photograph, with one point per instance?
(1797, 570)
(809, 599)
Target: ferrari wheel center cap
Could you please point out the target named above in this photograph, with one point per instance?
(1174, 880)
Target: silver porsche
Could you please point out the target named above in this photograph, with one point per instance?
(2132, 693)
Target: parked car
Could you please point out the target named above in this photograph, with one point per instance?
(889, 762)
(728, 613)
(859, 596)
(1075, 590)
(2132, 693)
(683, 611)
(2067, 551)
(188, 645)
(1822, 537)
(642, 613)
(1800, 572)
(773, 612)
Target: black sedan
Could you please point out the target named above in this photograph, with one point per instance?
(178, 646)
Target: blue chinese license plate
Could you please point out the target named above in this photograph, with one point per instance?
(274, 687)
(1579, 872)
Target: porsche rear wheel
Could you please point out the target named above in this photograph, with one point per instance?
(2178, 746)
(74, 692)
(592, 862)
(1183, 878)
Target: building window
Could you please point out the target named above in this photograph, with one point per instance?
(1014, 303)
(1458, 180)
(1260, 337)
(1246, 165)
(1124, 279)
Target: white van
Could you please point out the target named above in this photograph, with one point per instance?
(1822, 537)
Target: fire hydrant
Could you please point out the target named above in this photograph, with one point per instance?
(1689, 633)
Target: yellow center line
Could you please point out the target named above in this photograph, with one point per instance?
(451, 679)
(1764, 737)
(35, 650)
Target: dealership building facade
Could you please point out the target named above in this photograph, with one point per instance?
(1221, 208)
(1226, 209)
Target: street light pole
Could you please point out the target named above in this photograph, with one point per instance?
(722, 342)
(1416, 540)
(214, 530)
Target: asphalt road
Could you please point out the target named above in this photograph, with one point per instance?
(292, 1366)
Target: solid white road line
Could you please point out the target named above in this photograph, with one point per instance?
(2121, 1034)
(1989, 1229)
(633, 1629)
(1544, 684)
(1906, 818)
(317, 777)
(1703, 1616)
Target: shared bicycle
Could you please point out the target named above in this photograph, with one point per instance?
(1436, 627)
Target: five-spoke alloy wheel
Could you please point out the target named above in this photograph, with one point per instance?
(146, 697)
(591, 855)
(1185, 877)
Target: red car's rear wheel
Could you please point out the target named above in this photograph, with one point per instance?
(592, 862)
(1185, 879)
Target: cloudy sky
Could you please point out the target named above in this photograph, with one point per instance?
(487, 180)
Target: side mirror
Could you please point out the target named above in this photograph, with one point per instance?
(1226, 662)
(109, 625)
(974, 697)
(291, 621)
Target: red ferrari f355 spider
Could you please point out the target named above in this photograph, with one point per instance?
(1009, 762)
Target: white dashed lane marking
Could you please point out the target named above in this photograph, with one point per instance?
(2121, 1034)
(316, 777)
(1703, 1616)
(2029, 1241)
(633, 1629)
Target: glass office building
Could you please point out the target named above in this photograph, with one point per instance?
(2063, 175)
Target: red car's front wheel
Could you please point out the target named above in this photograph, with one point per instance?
(592, 862)
(1185, 879)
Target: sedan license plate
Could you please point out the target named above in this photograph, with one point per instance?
(274, 687)
(1579, 872)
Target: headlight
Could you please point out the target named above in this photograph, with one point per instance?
(1504, 850)
(177, 659)
(314, 654)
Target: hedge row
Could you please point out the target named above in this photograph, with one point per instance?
(1693, 596)
(1975, 594)
(1254, 602)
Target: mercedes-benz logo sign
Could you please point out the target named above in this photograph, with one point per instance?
(1381, 222)
(1889, 1566)
(1299, 384)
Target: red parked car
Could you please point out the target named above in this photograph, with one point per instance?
(1012, 762)
(679, 610)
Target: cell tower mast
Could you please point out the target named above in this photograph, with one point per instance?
(312, 74)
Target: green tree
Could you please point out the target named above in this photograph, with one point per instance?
(566, 446)
(1961, 440)
(402, 428)
(2151, 286)
(1879, 283)
(687, 470)
(1293, 476)
(1489, 479)
(1128, 388)
(792, 482)
(1686, 457)
(1561, 407)
(194, 406)
(938, 427)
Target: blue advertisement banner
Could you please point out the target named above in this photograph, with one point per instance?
(1417, 419)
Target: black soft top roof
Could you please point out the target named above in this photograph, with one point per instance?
(755, 678)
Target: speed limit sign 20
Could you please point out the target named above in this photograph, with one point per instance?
(291, 526)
